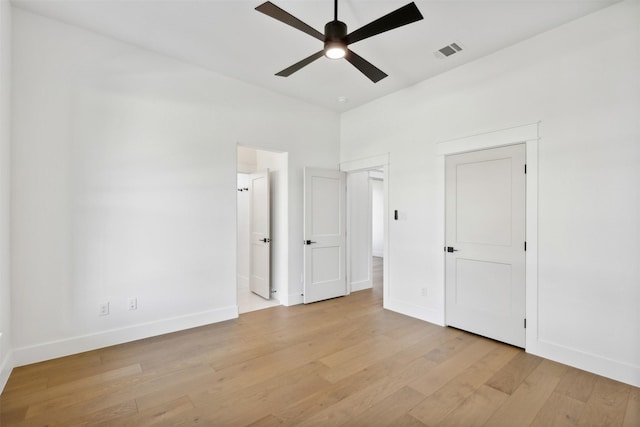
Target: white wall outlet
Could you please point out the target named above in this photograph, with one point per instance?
(133, 303)
(103, 309)
(423, 292)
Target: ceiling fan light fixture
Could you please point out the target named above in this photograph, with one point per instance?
(336, 38)
(335, 50)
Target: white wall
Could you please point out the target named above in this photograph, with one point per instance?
(359, 231)
(377, 217)
(5, 135)
(124, 183)
(581, 81)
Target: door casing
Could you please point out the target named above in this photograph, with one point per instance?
(528, 134)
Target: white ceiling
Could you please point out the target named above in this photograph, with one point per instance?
(231, 38)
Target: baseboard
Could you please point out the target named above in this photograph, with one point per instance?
(430, 315)
(614, 369)
(66, 347)
(361, 285)
(294, 299)
(6, 367)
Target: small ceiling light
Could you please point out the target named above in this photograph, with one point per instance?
(343, 99)
(335, 50)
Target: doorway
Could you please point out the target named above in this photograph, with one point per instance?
(365, 190)
(251, 161)
(367, 225)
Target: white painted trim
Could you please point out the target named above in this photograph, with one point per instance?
(51, 350)
(5, 369)
(419, 312)
(366, 163)
(293, 299)
(361, 285)
(486, 140)
(528, 134)
(615, 369)
(377, 254)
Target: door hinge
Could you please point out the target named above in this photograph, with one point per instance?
(525, 246)
(525, 323)
(525, 168)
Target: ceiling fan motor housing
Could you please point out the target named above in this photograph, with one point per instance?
(335, 31)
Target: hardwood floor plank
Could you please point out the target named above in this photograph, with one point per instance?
(407, 420)
(509, 379)
(449, 368)
(231, 408)
(388, 409)
(438, 405)
(560, 410)
(409, 359)
(122, 391)
(69, 393)
(606, 405)
(267, 421)
(476, 409)
(577, 384)
(355, 403)
(632, 414)
(521, 408)
(160, 415)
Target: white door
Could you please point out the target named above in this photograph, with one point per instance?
(259, 234)
(485, 238)
(324, 234)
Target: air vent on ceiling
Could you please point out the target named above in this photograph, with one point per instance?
(448, 50)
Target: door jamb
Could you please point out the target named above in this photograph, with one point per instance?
(528, 134)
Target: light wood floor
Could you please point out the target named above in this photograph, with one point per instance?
(340, 362)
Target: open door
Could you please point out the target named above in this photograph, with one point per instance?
(259, 235)
(324, 235)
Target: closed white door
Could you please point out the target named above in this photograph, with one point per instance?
(259, 234)
(324, 235)
(485, 238)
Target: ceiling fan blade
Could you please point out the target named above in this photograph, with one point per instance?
(367, 68)
(399, 17)
(295, 67)
(281, 15)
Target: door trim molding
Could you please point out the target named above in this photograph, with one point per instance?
(530, 135)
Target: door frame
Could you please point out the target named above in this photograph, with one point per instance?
(380, 162)
(279, 223)
(529, 135)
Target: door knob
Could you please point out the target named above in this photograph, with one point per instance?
(451, 249)
(265, 240)
(308, 242)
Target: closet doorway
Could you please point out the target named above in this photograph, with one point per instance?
(264, 261)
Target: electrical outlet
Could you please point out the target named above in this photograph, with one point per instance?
(423, 292)
(103, 309)
(133, 303)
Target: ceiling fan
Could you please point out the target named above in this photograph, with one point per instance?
(336, 39)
